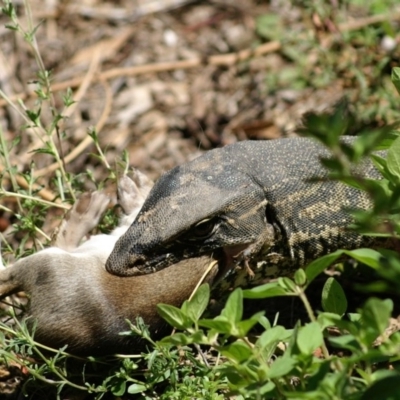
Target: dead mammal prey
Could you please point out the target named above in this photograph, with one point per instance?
(76, 302)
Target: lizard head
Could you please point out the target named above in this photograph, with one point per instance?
(208, 206)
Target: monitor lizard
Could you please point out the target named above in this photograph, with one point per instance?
(252, 203)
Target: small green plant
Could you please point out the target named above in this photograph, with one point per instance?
(305, 368)
(45, 98)
(33, 198)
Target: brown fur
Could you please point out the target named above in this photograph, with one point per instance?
(86, 307)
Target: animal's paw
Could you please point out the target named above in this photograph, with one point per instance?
(133, 192)
(143, 182)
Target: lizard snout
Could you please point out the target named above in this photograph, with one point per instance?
(125, 264)
(136, 260)
(135, 265)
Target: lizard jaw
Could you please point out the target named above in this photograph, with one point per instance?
(141, 265)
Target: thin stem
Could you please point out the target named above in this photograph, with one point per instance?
(31, 40)
(312, 317)
(6, 193)
(6, 156)
(14, 107)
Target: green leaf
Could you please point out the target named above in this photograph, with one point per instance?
(264, 322)
(269, 26)
(34, 116)
(197, 305)
(333, 297)
(369, 140)
(271, 337)
(380, 164)
(300, 277)
(396, 78)
(348, 342)
(390, 266)
(233, 309)
(118, 387)
(234, 377)
(287, 284)
(309, 338)
(326, 319)
(268, 387)
(136, 388)
(43, 150)
(177, 339)
(354, 317)
(321, 264)
(375, 318)
(384, 389)
(243, 327)
(281, 366)
(218, 324)
(237, 351)
(393, 159)
(271, 289)
(174, 316)
(367, 256)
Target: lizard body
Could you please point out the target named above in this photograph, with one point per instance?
(250, 202)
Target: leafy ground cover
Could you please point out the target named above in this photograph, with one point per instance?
(88, 87)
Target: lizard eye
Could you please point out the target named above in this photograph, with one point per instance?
(203, 229)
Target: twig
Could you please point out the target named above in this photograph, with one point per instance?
(5, 193)
(45, 194)
(374, 19)
(223, 59)
(217, 60)
(201, 280)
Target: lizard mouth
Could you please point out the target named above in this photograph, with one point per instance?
(228, 257)
(142, 265)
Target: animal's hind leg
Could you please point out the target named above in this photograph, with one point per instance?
(82, 218)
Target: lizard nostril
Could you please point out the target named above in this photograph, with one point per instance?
(136, 261)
